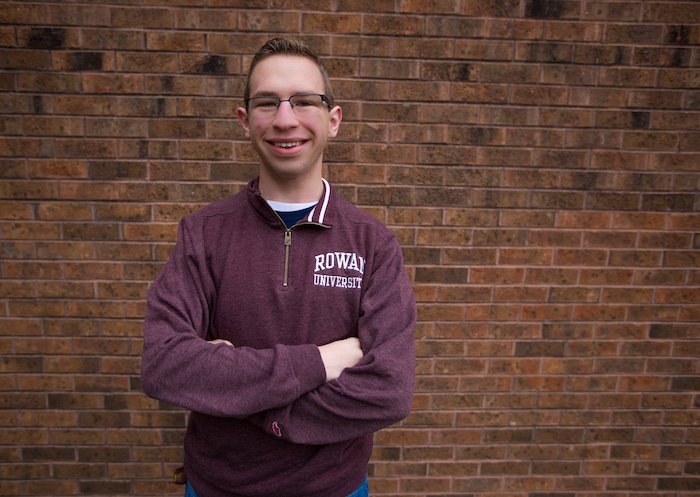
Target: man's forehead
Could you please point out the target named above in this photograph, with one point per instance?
(292, 68)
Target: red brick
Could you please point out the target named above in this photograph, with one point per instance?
(206, 19)
(559, 295)
(656, 99)
(147, 62)
(53, 126)
(636, 78)
(142, 18)
(472, 177)
(666, 240)
(606, 239)
(572, 75)
(122, 83)
(335, 23)
(480, 50)
(102, 38)
(85, 105)
(50, 486)
(150, 232)
(392, 25)
(269, 21)
(666, 56)
(526, 257)
(52, 82)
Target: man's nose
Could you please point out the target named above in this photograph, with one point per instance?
(285, 115)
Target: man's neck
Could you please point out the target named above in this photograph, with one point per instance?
(298, 190)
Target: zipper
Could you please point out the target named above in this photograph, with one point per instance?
(288, 242)
(287, 245)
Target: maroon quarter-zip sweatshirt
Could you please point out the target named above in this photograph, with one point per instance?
(264, 421)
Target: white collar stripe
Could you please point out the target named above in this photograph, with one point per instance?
(326, 196)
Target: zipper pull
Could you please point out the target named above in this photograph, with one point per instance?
(288, 237)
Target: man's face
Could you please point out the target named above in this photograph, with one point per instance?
(290, 142)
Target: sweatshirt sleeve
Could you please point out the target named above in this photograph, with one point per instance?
(180, 366)
(376, 392)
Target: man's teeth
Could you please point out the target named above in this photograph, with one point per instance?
(287, 144)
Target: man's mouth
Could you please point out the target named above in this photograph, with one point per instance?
(287, 144)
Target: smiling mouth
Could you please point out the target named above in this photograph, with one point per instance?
(287, 144)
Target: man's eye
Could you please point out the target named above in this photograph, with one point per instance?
(266, 103)
(306, 101)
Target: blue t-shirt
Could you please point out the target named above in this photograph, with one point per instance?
(291, 213)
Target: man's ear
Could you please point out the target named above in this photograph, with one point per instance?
(336, 115)
(242, 115)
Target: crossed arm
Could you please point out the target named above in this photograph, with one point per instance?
(336, 356)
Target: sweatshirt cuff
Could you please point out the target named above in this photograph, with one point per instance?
(307, 367)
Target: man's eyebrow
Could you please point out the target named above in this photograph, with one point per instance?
(274, 94)
(264, 94)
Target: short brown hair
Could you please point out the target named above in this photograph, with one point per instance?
(287, 46)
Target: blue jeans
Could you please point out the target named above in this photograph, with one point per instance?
(362, 491)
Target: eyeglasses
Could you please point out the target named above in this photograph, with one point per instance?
(302, 103)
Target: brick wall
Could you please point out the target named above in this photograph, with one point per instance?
(538, 159)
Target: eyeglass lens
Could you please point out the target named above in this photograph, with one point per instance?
(299, 103)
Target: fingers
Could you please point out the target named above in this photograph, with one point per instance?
(339, 355)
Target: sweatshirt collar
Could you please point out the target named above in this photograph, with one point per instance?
(319, 214)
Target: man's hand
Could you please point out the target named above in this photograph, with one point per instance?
(339, 355)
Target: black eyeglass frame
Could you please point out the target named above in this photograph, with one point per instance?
(324, 99)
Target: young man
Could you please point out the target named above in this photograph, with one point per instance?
(284, 318)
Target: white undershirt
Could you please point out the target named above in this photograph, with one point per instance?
(290, 206)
